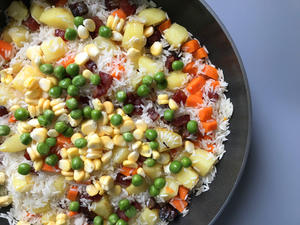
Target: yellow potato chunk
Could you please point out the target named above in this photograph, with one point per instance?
(170, 190)
(176, 35)
(103, 207)
(104, 43)
(22, 183)
(152, 16)
(36, 11)
(18, 35)
(120, 154)
(53, 49)
(176, 80)
(12, 144)
(131, 189)
(134, 36)
(17, 10)
(154, 171)
(203, 161)
(42, 209)
(60, 184)
(148, 66)
(167, 139)
(187, 177)
(149, 217)
(57, 17)
(7, 93)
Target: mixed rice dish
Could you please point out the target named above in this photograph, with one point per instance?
(110, 113)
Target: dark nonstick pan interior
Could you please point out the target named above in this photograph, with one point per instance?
(199, 19)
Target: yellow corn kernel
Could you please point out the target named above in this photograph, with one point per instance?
(87, 74)
(136, 145)
(14, 107)
(24, 127)
(116, 36)
(93, 154)
(107, 142)
(97, 164)
(81, 58)
(133, 156)
(89, 24)
(189, 146)
(116, 131)
(76, 136)
(94, 141)
(92, 50)
(140, 124)
(64, 153)
(83, 33)
(82, 152)
(145, 150)
(92, 190)
(33, 153)
(69, 178)
(104, 119)
(89, 126)
(106, 130)
(98, 186)
(106, 157)
(173, 105)
(156, 48)
(155, 155)
(97, 104)
(5, 200)
(61, 219)
(31, 83)
(130, 164)
(37, 165)
(116, 191)
(120, 112)
(67, 173)
(53, 81)
(39, 134)
(72, 152)
(106, 182)
(2, 178)
(43, 105)
(162, 102)
(89, 166)
(79, 175)
(64, 165)
(22, 223)
(138, 134)
(45, 84)
(128, 125)
(148, 31)
(108, 107)
(141, 172)
(119, 141)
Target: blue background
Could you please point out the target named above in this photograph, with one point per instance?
(267, 36)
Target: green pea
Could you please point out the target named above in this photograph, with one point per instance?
(51, 141)
(70, 34)
(116, 120)
(24, 169)
(124, 204)
(128, 109)
(65, 83)
(59, 72)
(150, 162)
(49, 115)
(25, 139)
(151, 134)
(72, 103)
(105, 31)
(131, 212)
(4, 130)
(96, 114)
(21, 114)
(87, 112)
(163, 85)
(128, 137)
(73, 69)
(51, 160)
(43, 121)
(68, 132)
(60, 127)
(137, 180)
(121, 222)
(147, 80)
(46, 69)
(77, 163)
(169, 115)
(74, 206)
(175, 166)
(73, 90)
(154, 145)
(113, 218)
(159, 182)
(78, 20)
(55, 92)
(192, 126)
(159, 77)
(98, 220)
(177, 65)
(186, 162)
(80, 143)
(121, 96)
(43, 148)
(76, 114)
(79, 81)
(95, 79)
(153, 191)
(143, 90)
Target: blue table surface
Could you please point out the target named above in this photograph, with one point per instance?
(267, 36)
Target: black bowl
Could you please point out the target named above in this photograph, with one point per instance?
(202, 22)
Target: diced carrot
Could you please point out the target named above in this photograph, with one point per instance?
(169, 190)
(5, 50)
(178, 204)
(211, 72)
(210, 125)
(61, 3)
(51, 169)
(190, 68)
(215, 83)
(194, 100)
(68, 59)
(200, 53)
(71, 213)
(117, 71)
(126, 171)
(165, 25)
(210, 148)
(191, 46)
(72, 193)
(12, 119)
(120, 13)
(205, 113)
(196, 84)
(183, 192)
(63, 141)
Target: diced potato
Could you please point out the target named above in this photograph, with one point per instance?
(167, 139)
(180, 154)
(7, 93)
(104, 43)
(12, 144)
(154, 171)
(103, 207)
(131, 189)
(17, 10)
(149, 217)
(152, 16)
(61, 18)
(149, 66)
(18, 35)
(170, 190)
(42, 209)
(187, 177)
(48, 217)
(26, 72)
(22, 183)
(203, 161)
(60, 184)
(137, 79)
(176, 35)
(176, 80)
(134, 36)
(36, 11)
(120, 154)
(53, 49)
(5, 35)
